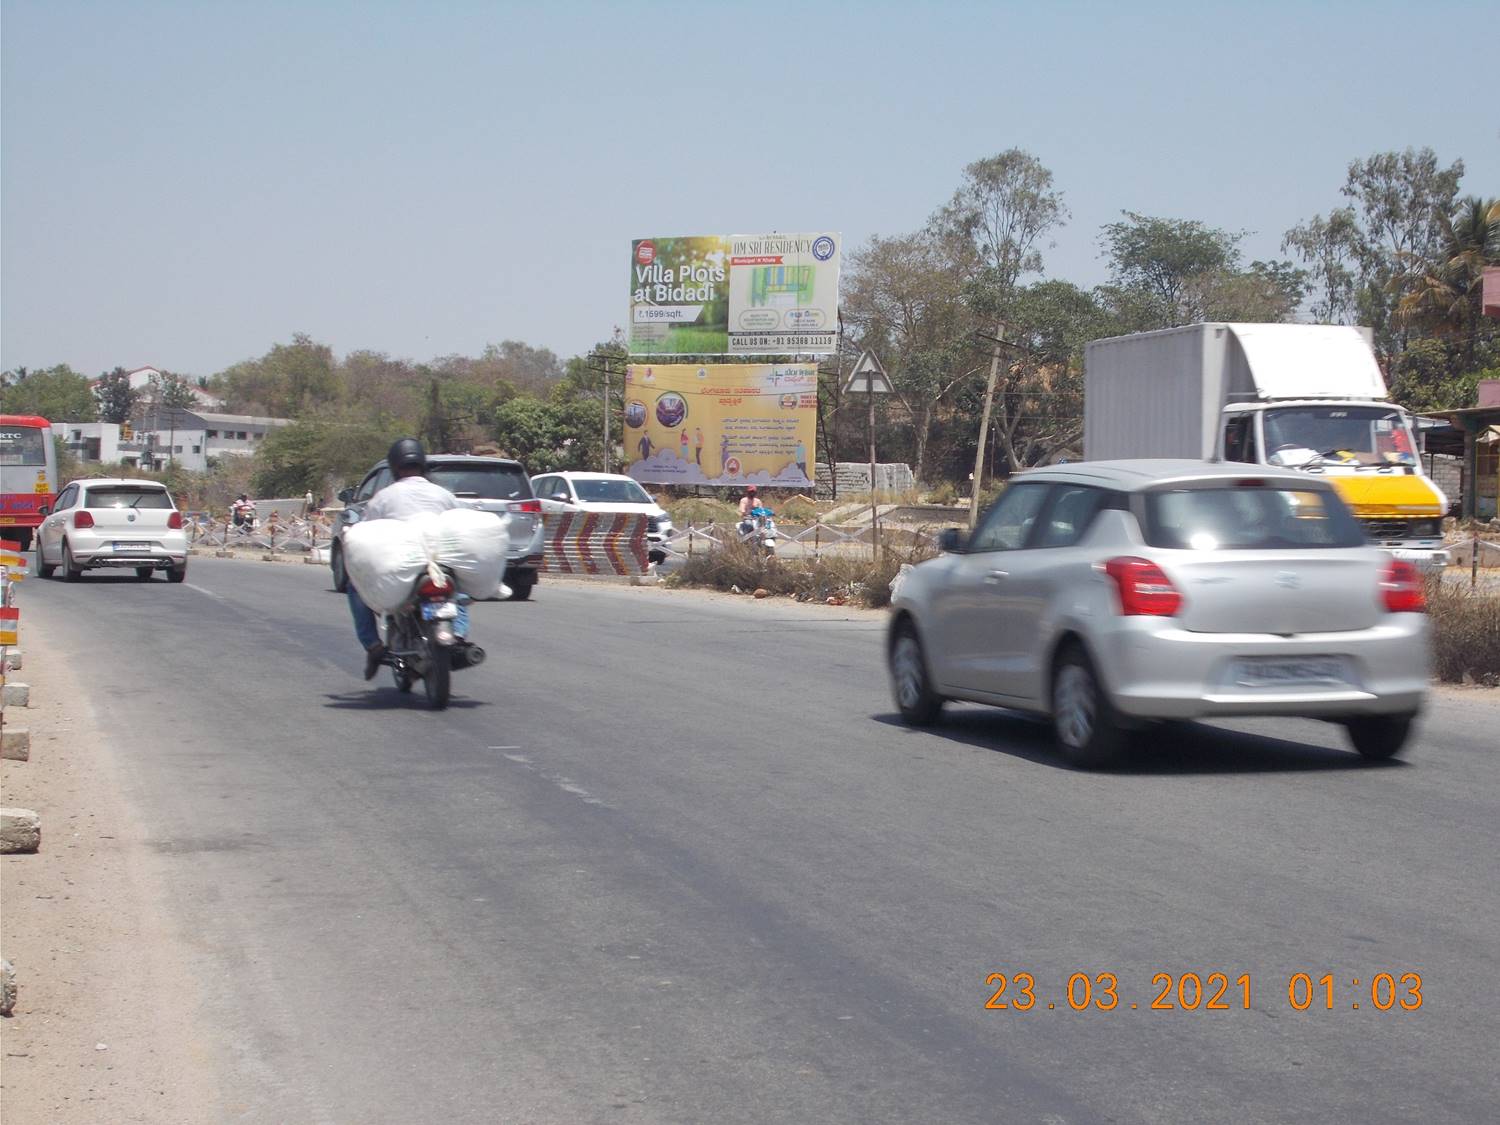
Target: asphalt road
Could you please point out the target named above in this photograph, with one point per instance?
(669, 857)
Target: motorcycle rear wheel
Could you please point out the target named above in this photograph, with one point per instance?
(437, 677)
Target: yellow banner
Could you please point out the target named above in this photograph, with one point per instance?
(721, 424)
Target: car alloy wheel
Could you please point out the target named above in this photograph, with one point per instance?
(1088, 732)
(1076, 707)
(918, 703)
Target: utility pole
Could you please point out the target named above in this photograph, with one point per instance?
(984, 424)
(606, 418)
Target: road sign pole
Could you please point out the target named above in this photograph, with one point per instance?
(874, 505)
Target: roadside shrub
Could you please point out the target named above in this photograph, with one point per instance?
(856, 578)
(945, 493)
(699, 510)
(796, 509)
(1465, 632)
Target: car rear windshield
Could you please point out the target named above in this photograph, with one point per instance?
(485, 482)
(127, 498)
(611, 492)
(1248, 516)
(22, 445)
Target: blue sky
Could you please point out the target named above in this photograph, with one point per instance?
(185, 184)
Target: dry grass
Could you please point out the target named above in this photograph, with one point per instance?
(1465, 632)
(856, 579)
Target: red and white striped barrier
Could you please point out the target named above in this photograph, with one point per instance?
(593, 543)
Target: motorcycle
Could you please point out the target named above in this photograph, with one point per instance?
(427, 639)
(759, 527)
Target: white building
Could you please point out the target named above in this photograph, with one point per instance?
(184, 437)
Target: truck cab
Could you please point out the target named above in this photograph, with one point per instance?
(1309, 397)
(1368, 453)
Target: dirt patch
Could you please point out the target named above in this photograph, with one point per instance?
(105, 1026)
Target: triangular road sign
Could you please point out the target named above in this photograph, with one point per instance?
(868, 376)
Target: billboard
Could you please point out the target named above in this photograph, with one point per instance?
(736, 294)
(724, 424)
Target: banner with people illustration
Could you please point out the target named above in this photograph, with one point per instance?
(723, 424)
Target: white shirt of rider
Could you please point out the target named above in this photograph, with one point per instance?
(407, 497)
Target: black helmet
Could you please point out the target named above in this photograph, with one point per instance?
(406, 453)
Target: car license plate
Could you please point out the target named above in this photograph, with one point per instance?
(119, 546)
(1278, 671)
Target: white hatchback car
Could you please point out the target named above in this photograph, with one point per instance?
(133, 524)
(1112, 594)
(609, 493)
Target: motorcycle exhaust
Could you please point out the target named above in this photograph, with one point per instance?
(467, 656)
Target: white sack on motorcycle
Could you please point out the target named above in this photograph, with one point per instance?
(384, 558)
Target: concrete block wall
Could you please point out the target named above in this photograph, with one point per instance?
(854, 477)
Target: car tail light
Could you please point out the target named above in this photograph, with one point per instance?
(174, 521)
(82, 519)
(1144, 590)
(526, 507)
(433, 591)
(1401, 588)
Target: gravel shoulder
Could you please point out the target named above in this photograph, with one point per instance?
(106, 1025)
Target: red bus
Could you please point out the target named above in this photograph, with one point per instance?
(28, 475)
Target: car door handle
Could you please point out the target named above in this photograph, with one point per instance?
(993, 577)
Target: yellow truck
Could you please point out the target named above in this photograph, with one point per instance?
(1309, 397)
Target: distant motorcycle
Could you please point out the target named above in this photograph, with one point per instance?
(759, 528)
(428, 637)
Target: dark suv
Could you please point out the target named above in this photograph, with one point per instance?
(491, 484)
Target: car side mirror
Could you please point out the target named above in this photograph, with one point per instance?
(44, 511)
(346, 495)
(951, 541)
(563, 496)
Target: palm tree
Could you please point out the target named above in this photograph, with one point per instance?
(1446, 296)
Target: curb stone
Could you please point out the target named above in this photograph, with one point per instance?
(20, 831)
(7, 988)
(15, 744)
(15, 695)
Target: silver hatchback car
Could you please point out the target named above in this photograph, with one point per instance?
(1112, 594)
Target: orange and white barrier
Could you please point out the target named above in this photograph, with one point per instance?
(593, 543)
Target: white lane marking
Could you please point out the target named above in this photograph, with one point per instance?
(207, 593)
(504, 747)
(562, 781)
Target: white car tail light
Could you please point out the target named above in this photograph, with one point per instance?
(1144, 590)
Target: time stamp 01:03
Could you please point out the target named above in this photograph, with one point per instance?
(1213, 992)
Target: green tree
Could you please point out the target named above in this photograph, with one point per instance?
(1386, 238)
(1446, 298)
(552, 436)
(58, 394)
(114, 397)
(906, 298)
(172, 392)
(308, 456)
(288, 381)
(1162, 269)
(1327, 245)
(1038, 407)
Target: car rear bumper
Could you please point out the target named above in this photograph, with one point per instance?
(1156, 672)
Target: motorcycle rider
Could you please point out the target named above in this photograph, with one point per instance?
(747, 501)
(409, 494)
(242, 511)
